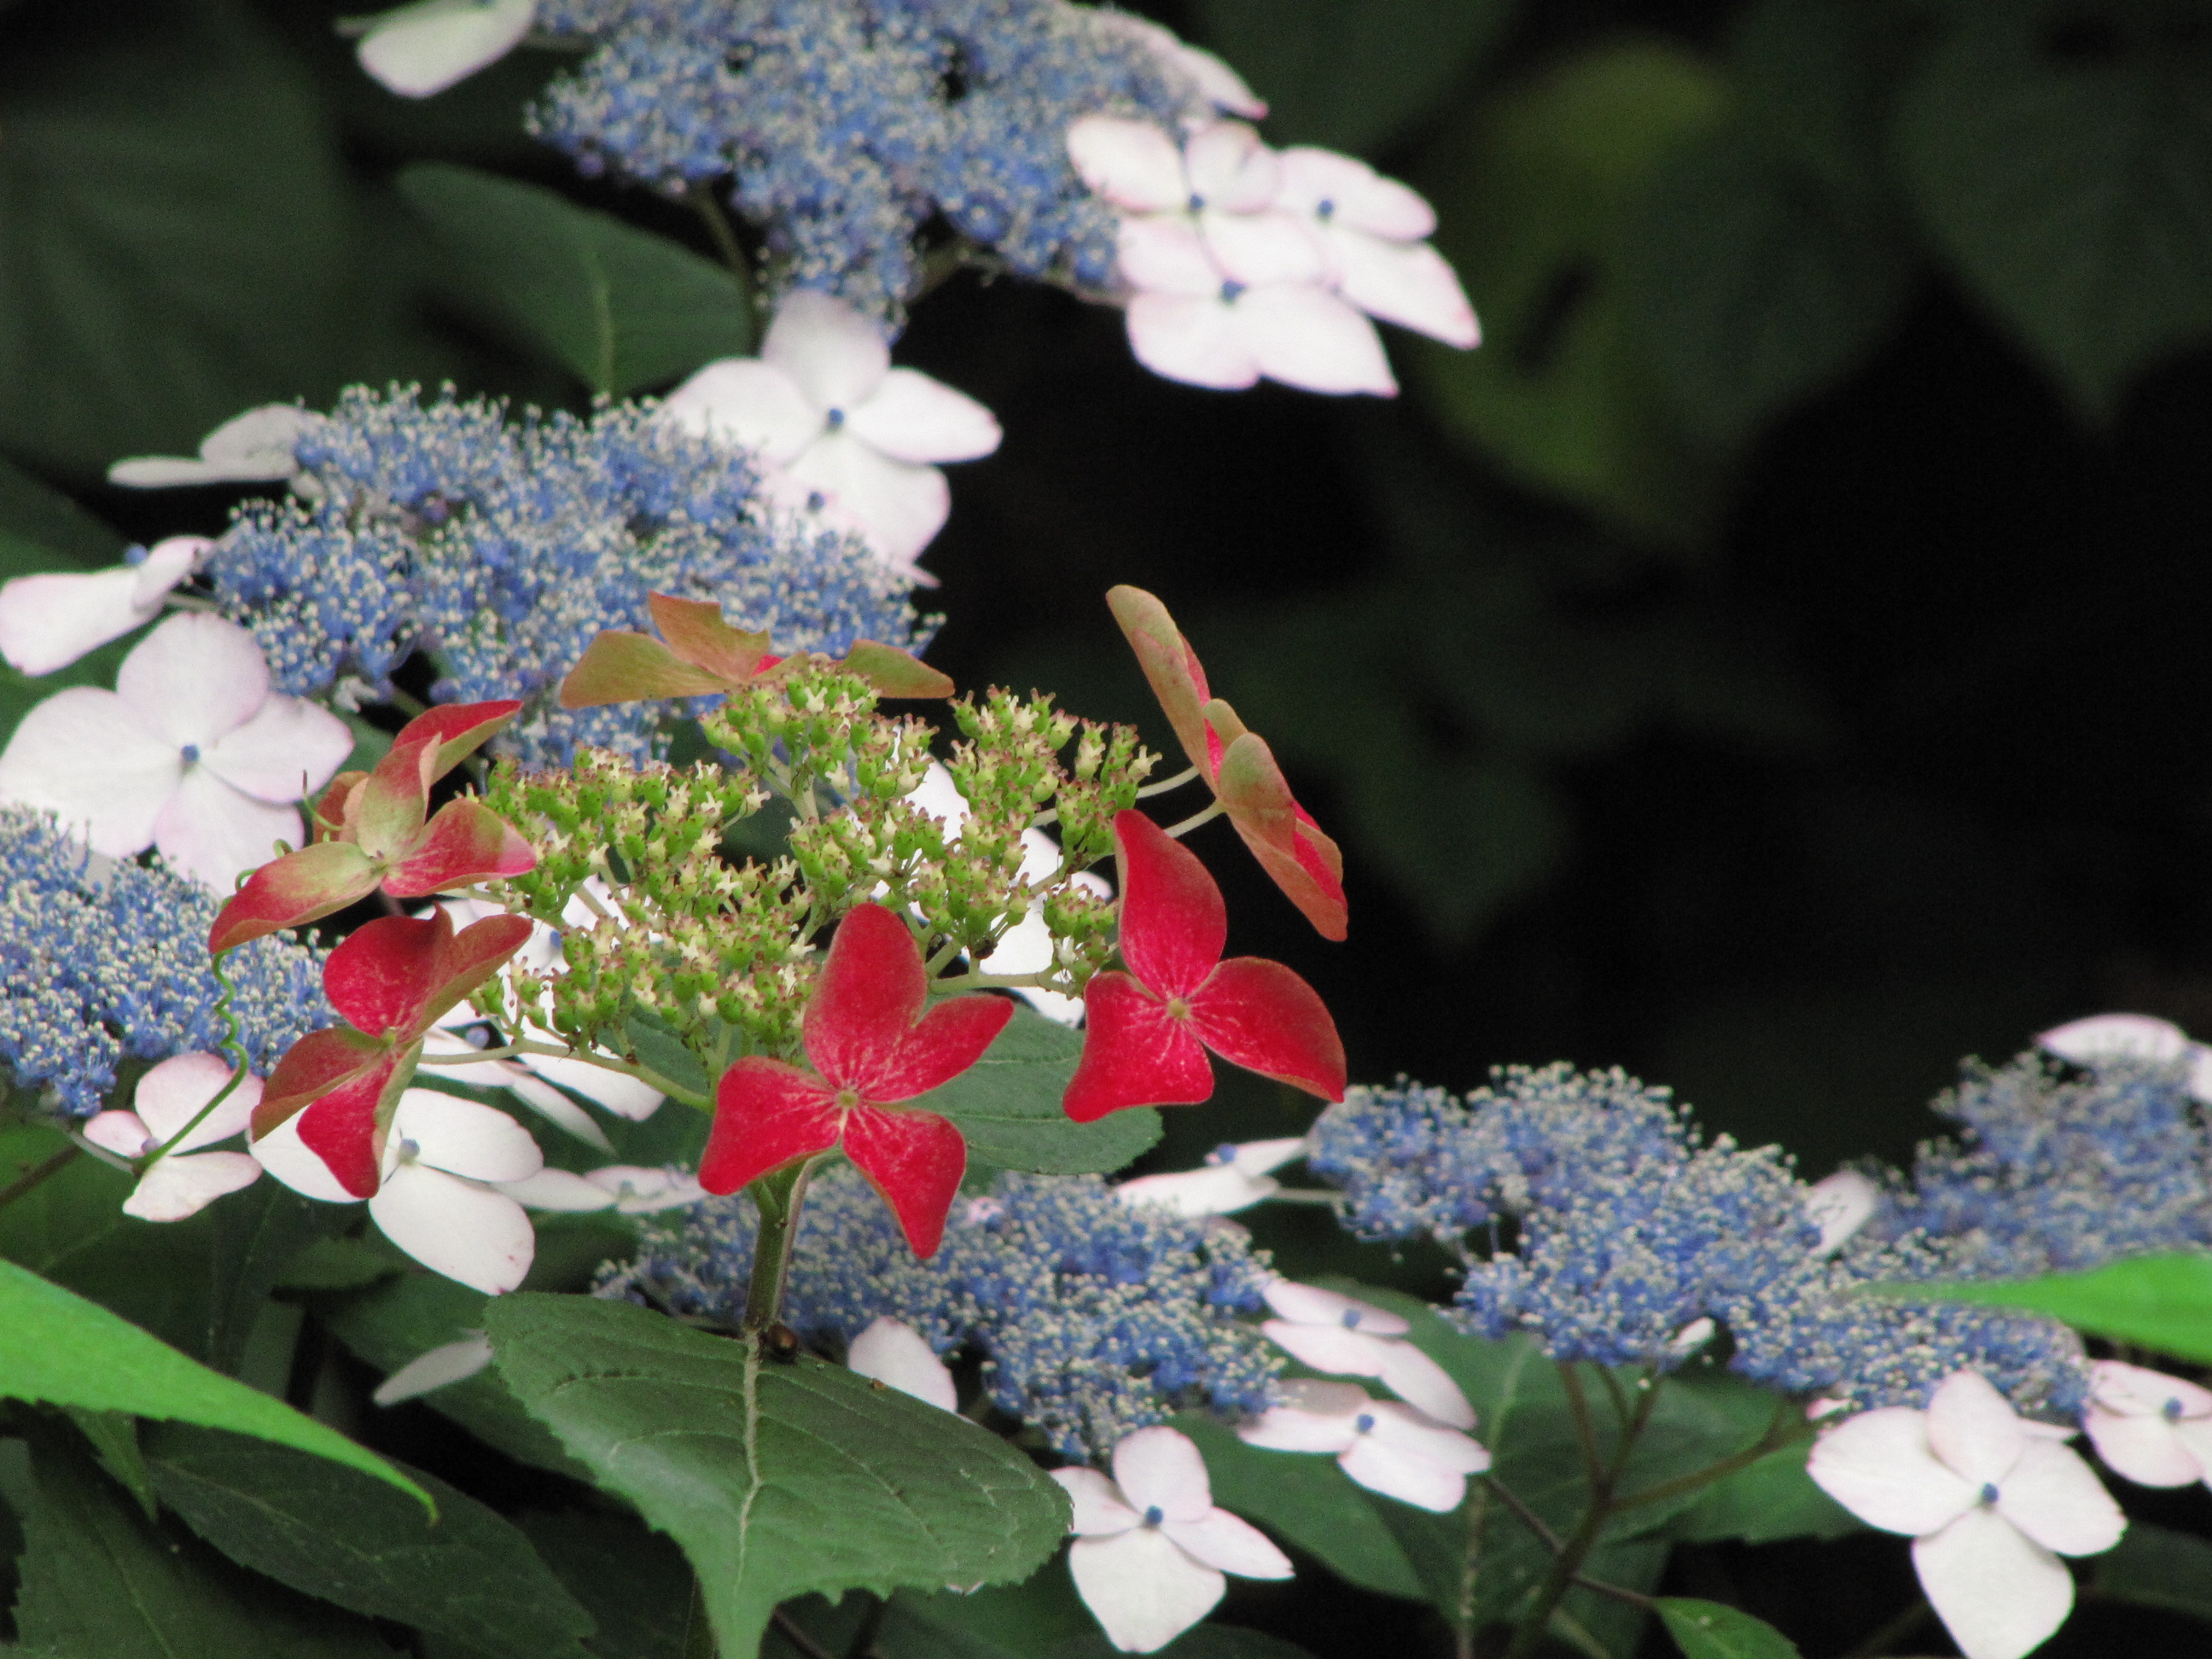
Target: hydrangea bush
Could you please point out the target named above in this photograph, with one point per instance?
(523, 836)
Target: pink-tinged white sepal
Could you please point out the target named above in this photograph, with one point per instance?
(1151, 1547)
(49, 620)
(2148, 1427)
(895, 1354)
(189, 1178)
(255, 447)
(1839, 1205)
(454, 1362)
(1383, 1445)
(1346, 1337)
(1373, 234)
(1233, 1177)
(419, 49)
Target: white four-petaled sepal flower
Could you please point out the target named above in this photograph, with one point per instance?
(2130, 1036)
(191, 753)
(49, 620)
(1839, 1205)
(255, 447)
(1373, 233)
(2153, 1428)
(189, 1177)
(851, 441)
(1233, 1177)
(418, 50)
(1385, 1446)
(1150, 1547)
(639, 1191)
(1342, 1335)
(445, 1160)
(454, 1362)
(1989, 1501)
(899, 1357)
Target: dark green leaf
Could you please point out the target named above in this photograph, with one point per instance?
(1029, 1620)
(100, 1582)
(621, 308)
(1812, 80)
(1712, 1630)
(659, 1050)
(2153, 1567)
(173, 236)
(776, 1479)
(397, 1323)
(1207, 1641)
(634, 1582)
(114, 1437)
(65, 1351)
(1007, 1105)
(1772, 1499)
(2159, 1301)
(340, 1264)
(258, 1233)
(2061, 155)
(1352, 75)
(342, 1537)
(1307, 1500)
(42, 529)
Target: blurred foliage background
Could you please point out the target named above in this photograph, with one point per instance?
(1770, 663)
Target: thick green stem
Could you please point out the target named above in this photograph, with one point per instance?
(778, 1196)
(1784, 1429)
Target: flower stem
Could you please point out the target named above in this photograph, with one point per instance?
(1195, 819)
(1166, 784)
(778, 1196)
(230, 1046)
(40, 1173)
(722, 234)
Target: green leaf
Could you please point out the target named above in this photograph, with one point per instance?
(114, 1437)
(1351, 75)
(174, 233)
(1535, 191)
(1007, 1105)
(1029, 1620)
(658, 1049)
(342, 1537)
(621, 308)
(1753, 284)
(2153, 1567)
(1207, 1641)
(258, 1233)
(65, 1351)
(2159, 1302)
(100, 1582)
(1307, 1499)
(1771, 1500)
(634, 1582)
(396, 1322)
(42, 529)
(1712, 1630)
(776, 1479)
(2062, 157)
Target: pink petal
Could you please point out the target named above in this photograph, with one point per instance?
(285, 752)
(1219, 83)
(746, 401)
(210, 831)
(194, 678)
(167, 562)
(639, 1191)
(285, 1156)
(2054, 1497)
(1420, 1381)
(2108, 1036)
(837, 356)
(914, 418)
(1397, 1473)
(122, 1134)
(1307, 337)
(1342, 190)
(557, 1189)
(255, 447)
(1168, 254)
(422, 49)
(82, 756)
(49, 621)
(1309, 1304)
(1197, 341)
(1330, 1348)
(2000, 1594)
(1878, 1465)
(464, 1137)
(1219, 1539)
(2145, 1449)
(1263, 247)
(1143, 1591)
(183, 1185)
(1259, 1158)
(1839, 1205)
(1160, 1469)
(172, 1093)
(1231, 169)
(898, 506)
(467, 1232)
(1415, 1434)
(1133, 164)
(1408, 283)
(1099, 1510)
(1315, 1416)
(1973, 1428)
(2140, 1391)
(455, 1362)
(896, 1355)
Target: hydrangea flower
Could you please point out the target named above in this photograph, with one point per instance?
(1346, 1337)
(188, 1177)
(1396, 1450)
(2102, 1038)
(2155, 1429)
(49, 620)
(191, 753)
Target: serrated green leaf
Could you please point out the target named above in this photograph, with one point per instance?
(1307, 1500)
(621, 308)
(633, 1581)
(2156, 1567)
(100, 1582)
(64, 1351)
(776, 1479)
(114, 1437)
(258, 1235)
(1352, 75)
(341, 1537)
(1007, 1106)
(1712, 1630)
(2159, 1302)
(2061, 156)
(1029, 1620)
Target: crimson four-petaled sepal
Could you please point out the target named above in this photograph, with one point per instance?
(392, 980)
(872, 1045)
(1147, 1032)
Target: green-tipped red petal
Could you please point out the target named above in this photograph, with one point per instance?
(1135, 1053)
(317, 1063)
(1260, 1015)
(346, 1127)
(458, 730)
(619, 666)
(464, 843)
(381, 974)
(1174, 924)
(1172, 667)
(916, 1160)
(698, 633)
(467, 960)
(1289, 845)
(894, 672)
(766, 1115)
(291, 891)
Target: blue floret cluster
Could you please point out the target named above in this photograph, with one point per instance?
(1092, 1317)
(503, 547)
(97, 967)
(848, 126)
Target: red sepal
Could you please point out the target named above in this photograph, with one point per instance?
(860, 1028)
(1171, 665)
(455, 731)
(291, 891)
(698, 633)
(766, 1115)
(1135, 1053)
(317, 1063)
(915, 1161)
(398, 973)
(1174, 924)
(464, 843)
(1281, 834)
(1260, 1015)
(346, 1127)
